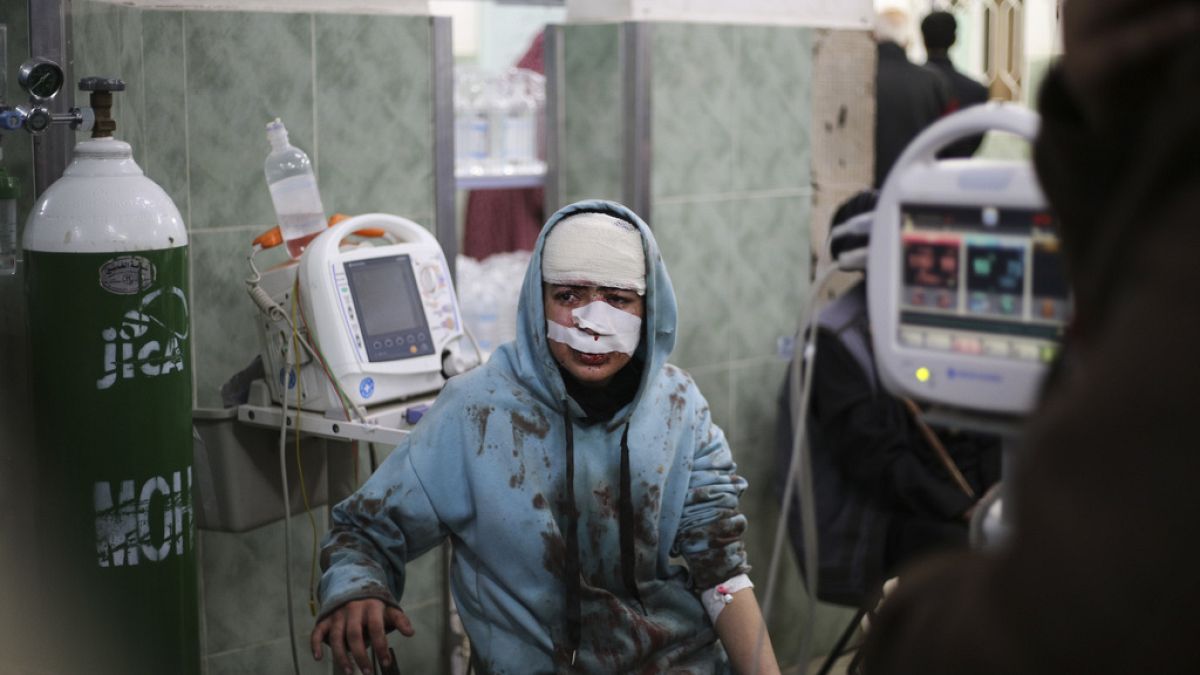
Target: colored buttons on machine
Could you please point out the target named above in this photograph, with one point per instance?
(978, 344)
(968, 345)
(993, 347)
(1026, 351)
(429, 280)
(939, 341)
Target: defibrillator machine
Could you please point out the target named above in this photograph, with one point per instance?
(966, 290)
(382, 320)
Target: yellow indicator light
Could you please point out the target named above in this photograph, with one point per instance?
(922, 374)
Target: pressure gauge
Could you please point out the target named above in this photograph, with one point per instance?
(42, 78)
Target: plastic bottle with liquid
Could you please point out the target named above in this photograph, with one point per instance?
(477, 125)
(294, 191)
(518, 115)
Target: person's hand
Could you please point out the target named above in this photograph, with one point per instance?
(345, 628)
(889, 587)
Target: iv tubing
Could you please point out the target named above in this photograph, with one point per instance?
(799, 472)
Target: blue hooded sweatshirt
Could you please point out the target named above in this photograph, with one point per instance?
(488, 467)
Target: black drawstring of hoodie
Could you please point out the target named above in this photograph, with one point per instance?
(571, 566)
(628, 553)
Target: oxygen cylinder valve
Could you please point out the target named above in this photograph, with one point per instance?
(42, 78)
(101, 89)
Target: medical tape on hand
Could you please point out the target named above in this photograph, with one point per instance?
(715, 598)
(614, 330)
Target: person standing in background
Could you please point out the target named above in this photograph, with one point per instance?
(908, 97)
(938, 30)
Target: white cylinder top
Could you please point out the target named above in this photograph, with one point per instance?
(103, 203)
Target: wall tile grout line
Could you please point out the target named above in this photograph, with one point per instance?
(187, 182)
(312, 61)
(777, 193)
(145, 110)
(709, 369)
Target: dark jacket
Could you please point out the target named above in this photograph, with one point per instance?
(881, 495)
(908, 98)
(964, 92)
(1100, 573)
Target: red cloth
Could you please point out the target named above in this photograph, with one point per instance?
(509, 219)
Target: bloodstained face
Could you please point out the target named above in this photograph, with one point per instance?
(592, 370)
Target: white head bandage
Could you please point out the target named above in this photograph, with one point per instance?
(613, 330)
(595, 249)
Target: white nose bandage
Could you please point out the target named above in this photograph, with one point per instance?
(615, 330)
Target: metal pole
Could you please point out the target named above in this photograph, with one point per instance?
(638, 156)
(554, 125)
(445, 220)
(50, 37)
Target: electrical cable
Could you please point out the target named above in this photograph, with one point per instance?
(799, 475)
(273, 311)
(319, 356)
(475, 344)
(312, 520)
(287, 535)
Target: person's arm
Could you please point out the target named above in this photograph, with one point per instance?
(744, 633)
(389, 521)
(874, 442)
(710, 538)
(352, 626)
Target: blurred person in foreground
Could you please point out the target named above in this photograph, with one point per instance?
(1099, 575)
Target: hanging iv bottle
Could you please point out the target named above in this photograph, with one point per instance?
(293, 191)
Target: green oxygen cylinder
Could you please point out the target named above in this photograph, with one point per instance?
(108, 319)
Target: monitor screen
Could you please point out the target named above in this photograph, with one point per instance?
(388, 308)
(985, 281)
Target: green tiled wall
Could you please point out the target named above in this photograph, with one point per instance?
(353, 90)
(355, 94)
(591, 158)
(731, 202)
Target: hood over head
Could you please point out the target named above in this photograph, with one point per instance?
(535, 364)
(1119, 137)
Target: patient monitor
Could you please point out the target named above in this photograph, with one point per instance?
(383, 320)
(967, 295)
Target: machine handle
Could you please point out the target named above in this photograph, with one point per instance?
(274, 237)
(970, 121)
(367, 232)
(377, 225)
